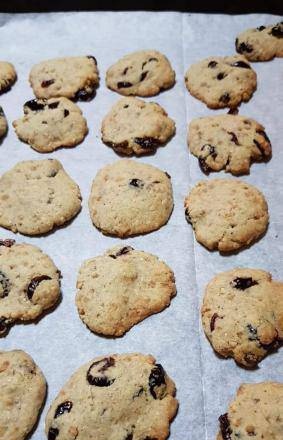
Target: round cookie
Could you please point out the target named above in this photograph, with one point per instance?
(36, 196)
(229, 142)
(23, 390)
(262, 43)
(221, 81)
(129, 198)
(240, 317)
(7, 76)
(29, 283)
(256, 412)
(121, 288)
(226, 215)
(142, 73)
(3, 123)
(50, 124)
(72, 77)
(136, 127)
(126, 396)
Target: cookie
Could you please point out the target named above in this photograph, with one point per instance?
(129, 198)
(50, 124)
(7, 76)
(226, 215)
(221, 81)
(36, 196)
(142, 73)
(121, 288)
(126, 396)
(256, 412)
(3, 123)
(240, 316)
(71, 77)
(29, 283)
(262, 43)
(229, 142)
(23, 390)
(136, 127)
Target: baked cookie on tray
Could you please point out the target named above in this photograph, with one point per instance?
(226, 215)
(50, 124)
(262, 43)
(142, 73)
(125, 396)
(3, 123)
(71, 77)
(222, 81)
(129, 198)
(136, 127)
(242, 314)
(29, 283)
(256, 412)
(229, 142)
(23, 390)
(7, 76)
(36, 196)
(121, 288)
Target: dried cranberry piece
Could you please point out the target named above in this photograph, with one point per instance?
(143, 76)
(53, 433)
(156, 379)
(221, 75)
(225, 98)
(122, 251)
(225, 428)
(101, 381)
(188, 217)
(34, 283)
(47, 83)
(243, 283)
(7, 242)
(212, 64)
(277, 31)
(146, 142)
(233, 137)
(91, 57)
(243, 47)
(124, 84)
(63, 408)
(241, 64)
(83, 95)
(5, 283)
(138, 183)
(34, 105)
(214, 317)
(53, 105)
(66, 113)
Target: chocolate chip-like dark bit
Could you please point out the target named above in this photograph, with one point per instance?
(84, 95)
(129, 436)
(146, 142)
(5, 285)
(137, 183)
(252, 332)
(124, 84)
(241, 64)
(243, 283)
(233, 137)
(188, 217)
(243, 47)
(220, 76)
(34, 283)
(1, 111)
(156, 379)
(63, 408)
(53, 433)
(277, 31)
(102, 380)
(91, 57)
(212, 64)
(225, 428)
(53, 105)
(8, 242)
(210, 149)
(261, 28)
(124, 250)
(214, 317)
(143, 76)
(34, 105)
(203, 165)
(233, 111)
(225, 98)
(66, 113)
(47, 83)
(4, 325)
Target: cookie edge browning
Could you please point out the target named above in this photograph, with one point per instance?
(14, 78)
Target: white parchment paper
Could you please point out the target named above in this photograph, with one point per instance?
(60, 342)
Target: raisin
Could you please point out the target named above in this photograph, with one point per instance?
(118, 146)
(5, 284)
(102, 380)
(129, 436)
(53, 105)
(124, 84)
(122, 251)
(53, 433)
(203, 165)
(66, 113)
(1, 111)
(125, 70)
(34, 283)
(4, 325)
(226, 431)
(225, 98)
(156, 379)
(221, 75)
(241, 64)
(188, 217)
(136, 183)
(91, 57)
(214, 317)
(243, 283)
(62, 408)
(261, 28)
(233, 137)
(8, 242)
(152, 59)
(243, 47)
(212, 64)
(83, 95)
(138, 393)
(253, 333)
(146, 142)
(277, 31)
(167, 174)
(211, 150)
(143, 76)
(126, 106)
(34, 105)
(233, 111)
(47, 83)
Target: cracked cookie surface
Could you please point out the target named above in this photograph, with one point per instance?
(36, 196)
(229, 142)
(7, 76)
(121, 288)
(226, 214)
(136, 127)
(125, 397)
(242, 314)
(71, 77)
(29, 283)
(262, 43)
(129, 197)
(23, 390)
(221, 81)
(142, 73)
